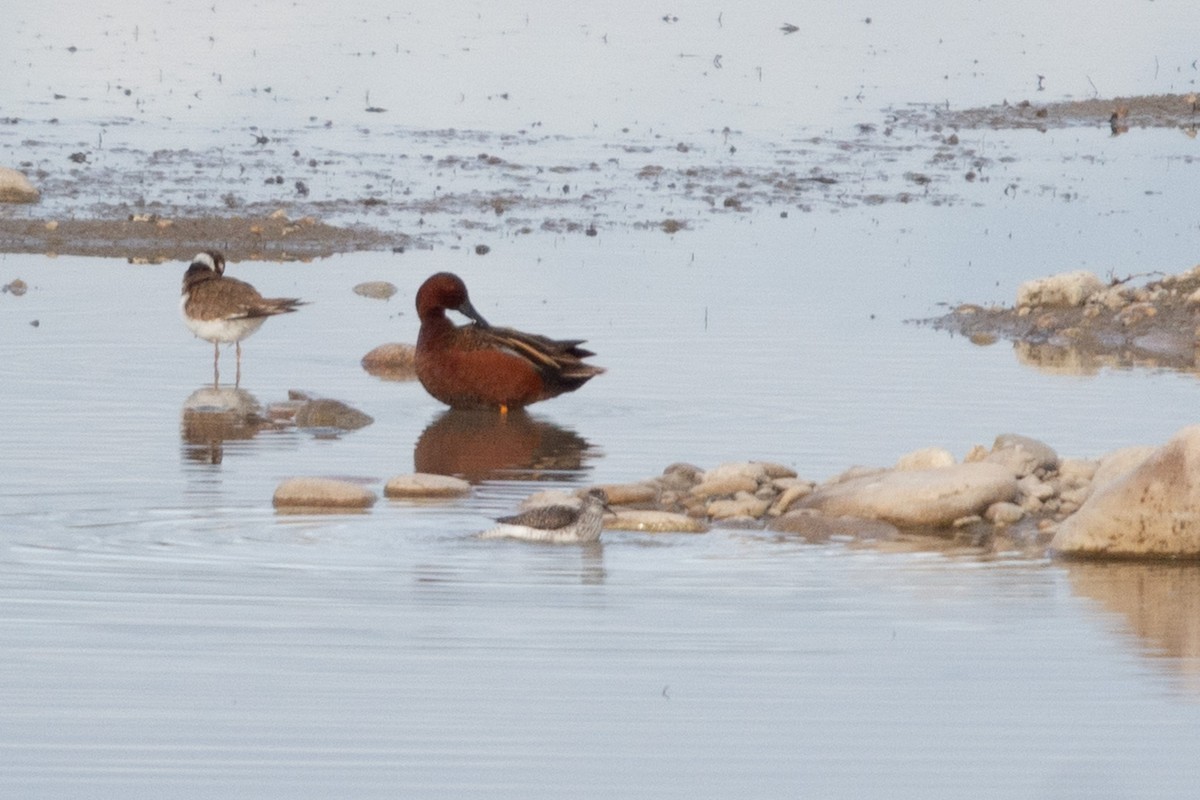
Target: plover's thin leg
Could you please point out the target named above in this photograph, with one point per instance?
(216, 368)
(237, 381)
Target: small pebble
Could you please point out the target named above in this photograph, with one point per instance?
(376, 290)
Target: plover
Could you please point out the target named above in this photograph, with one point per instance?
(220, 309)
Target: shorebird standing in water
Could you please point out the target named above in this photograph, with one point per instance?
(556, 524)
(225, 310)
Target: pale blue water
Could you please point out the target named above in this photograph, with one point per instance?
(166, 633)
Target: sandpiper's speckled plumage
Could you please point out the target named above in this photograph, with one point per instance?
(556, 524)
(220, 309)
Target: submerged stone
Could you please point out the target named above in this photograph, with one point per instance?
(654, 522)
(318, 493)
(423, 485)
(330, 414)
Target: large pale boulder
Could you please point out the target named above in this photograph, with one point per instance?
(917, 498)
(16, 188)
(1067, 289)
(1152, 511)
(1120, 463)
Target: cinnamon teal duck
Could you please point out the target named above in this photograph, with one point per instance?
(482, 366)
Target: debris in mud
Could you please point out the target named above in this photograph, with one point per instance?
(456, 180)
(1120, 114)
(1077, 323)
(16, 288)
(148, 238)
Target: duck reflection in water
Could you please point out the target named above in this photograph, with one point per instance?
(480, 444)
(212, 416)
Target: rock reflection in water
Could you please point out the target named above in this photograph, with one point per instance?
(1160, 602)
(212, 416)
(478, 445)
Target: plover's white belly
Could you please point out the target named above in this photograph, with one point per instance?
(225, 331)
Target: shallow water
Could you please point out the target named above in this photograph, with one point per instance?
(166, 632)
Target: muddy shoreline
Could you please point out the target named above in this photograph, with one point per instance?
(1136, 321)
(289, 199)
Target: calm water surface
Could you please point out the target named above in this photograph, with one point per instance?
(166, 633)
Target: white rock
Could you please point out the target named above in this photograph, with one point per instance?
(1119, 463)
(317, 493)
(1077, 470)
(1004, 513)
(1151, 511)
(789, 496)
(1065, 289)
(1021, 454)
(424, 485)
(627, 494)
(16, 188)
(917, 498)
(1030, 486)
(743, 505)
(741, 470)
(928, 458)
(724, 486)
(1075, 497)
(1112, 298)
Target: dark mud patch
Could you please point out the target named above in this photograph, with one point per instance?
(152, 238)
(1154, 324)
(1120, 114)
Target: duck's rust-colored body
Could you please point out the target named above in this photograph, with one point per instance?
(480, 366)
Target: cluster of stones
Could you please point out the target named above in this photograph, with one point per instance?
(1139, 502)
(1019, 480)
(1158, 321)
